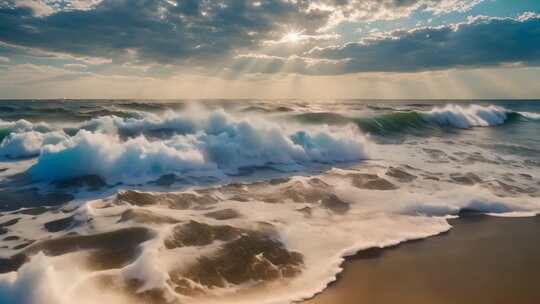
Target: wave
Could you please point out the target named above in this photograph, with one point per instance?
(21, 125)
(465, 117)
(398, 123)
(28, 144)
(530, 115)
(72, 111)
(322, 118)
(254, 229)
(21, 139)
(169, 123)
(220, 145)
(423, 122)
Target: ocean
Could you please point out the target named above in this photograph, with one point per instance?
(249, 201)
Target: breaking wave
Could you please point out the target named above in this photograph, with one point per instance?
(150, 124)
(424, 122)
(21, 125)
(28, 144)
(218, 145)
(530, 115)
(468, 117)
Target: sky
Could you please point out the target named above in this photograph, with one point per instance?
(264, 49)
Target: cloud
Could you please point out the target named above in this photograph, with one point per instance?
(47, 7)
(38, 7)
(232, 37)
(373, 10)
(193, 32)
(301, 38)
(478, 42)
(32, 74)
(157, 30)
(31, 54)
(268, 64)
(75, 66)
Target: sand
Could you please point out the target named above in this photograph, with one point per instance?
(481, 260)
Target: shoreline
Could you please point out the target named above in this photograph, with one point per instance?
(482, 259)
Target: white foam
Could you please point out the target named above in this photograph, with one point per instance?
(22, 125)
(222, 146)
(376, 219)
(530, 115)
(465, 117)
(217, 143)
(105, 155)
(28, 144)
(147, 122)
(55, 280)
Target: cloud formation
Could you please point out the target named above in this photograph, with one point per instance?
(155, 30)
(372, 10)
(180, 31)
(478, 42)
(158, 38)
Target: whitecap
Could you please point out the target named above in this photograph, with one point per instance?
(465, 117)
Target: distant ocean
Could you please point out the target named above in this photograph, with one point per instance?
(251, 201)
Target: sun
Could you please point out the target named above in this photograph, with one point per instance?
(292, 37)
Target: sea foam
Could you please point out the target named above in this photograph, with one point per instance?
(220, 145)
(324, 217)
(28, 144)
(23, 125)
(465, 117)
(530, 115)
(376, 219)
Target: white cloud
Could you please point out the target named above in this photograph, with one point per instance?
(301, 37)
(448, 6)
(75, 66)
(38, 7)
(372, 10)
(33, 74)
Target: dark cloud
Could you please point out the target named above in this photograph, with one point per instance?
(477, 43)
(215, 34)
(172, 31)
(156, 30)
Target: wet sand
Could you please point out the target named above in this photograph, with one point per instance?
(482, 260)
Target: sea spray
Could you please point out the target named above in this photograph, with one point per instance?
(221, 146)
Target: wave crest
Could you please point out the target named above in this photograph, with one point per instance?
(21, 125)
(28, 144)
(148, 124)
(468, 116)
(222, 146)
(421, 122)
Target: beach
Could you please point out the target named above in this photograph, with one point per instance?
(481, 260)
(269, 152)
(128, 202)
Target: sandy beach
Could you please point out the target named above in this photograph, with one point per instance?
(481, 260)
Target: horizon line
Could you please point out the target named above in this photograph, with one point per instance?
(261, 99)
